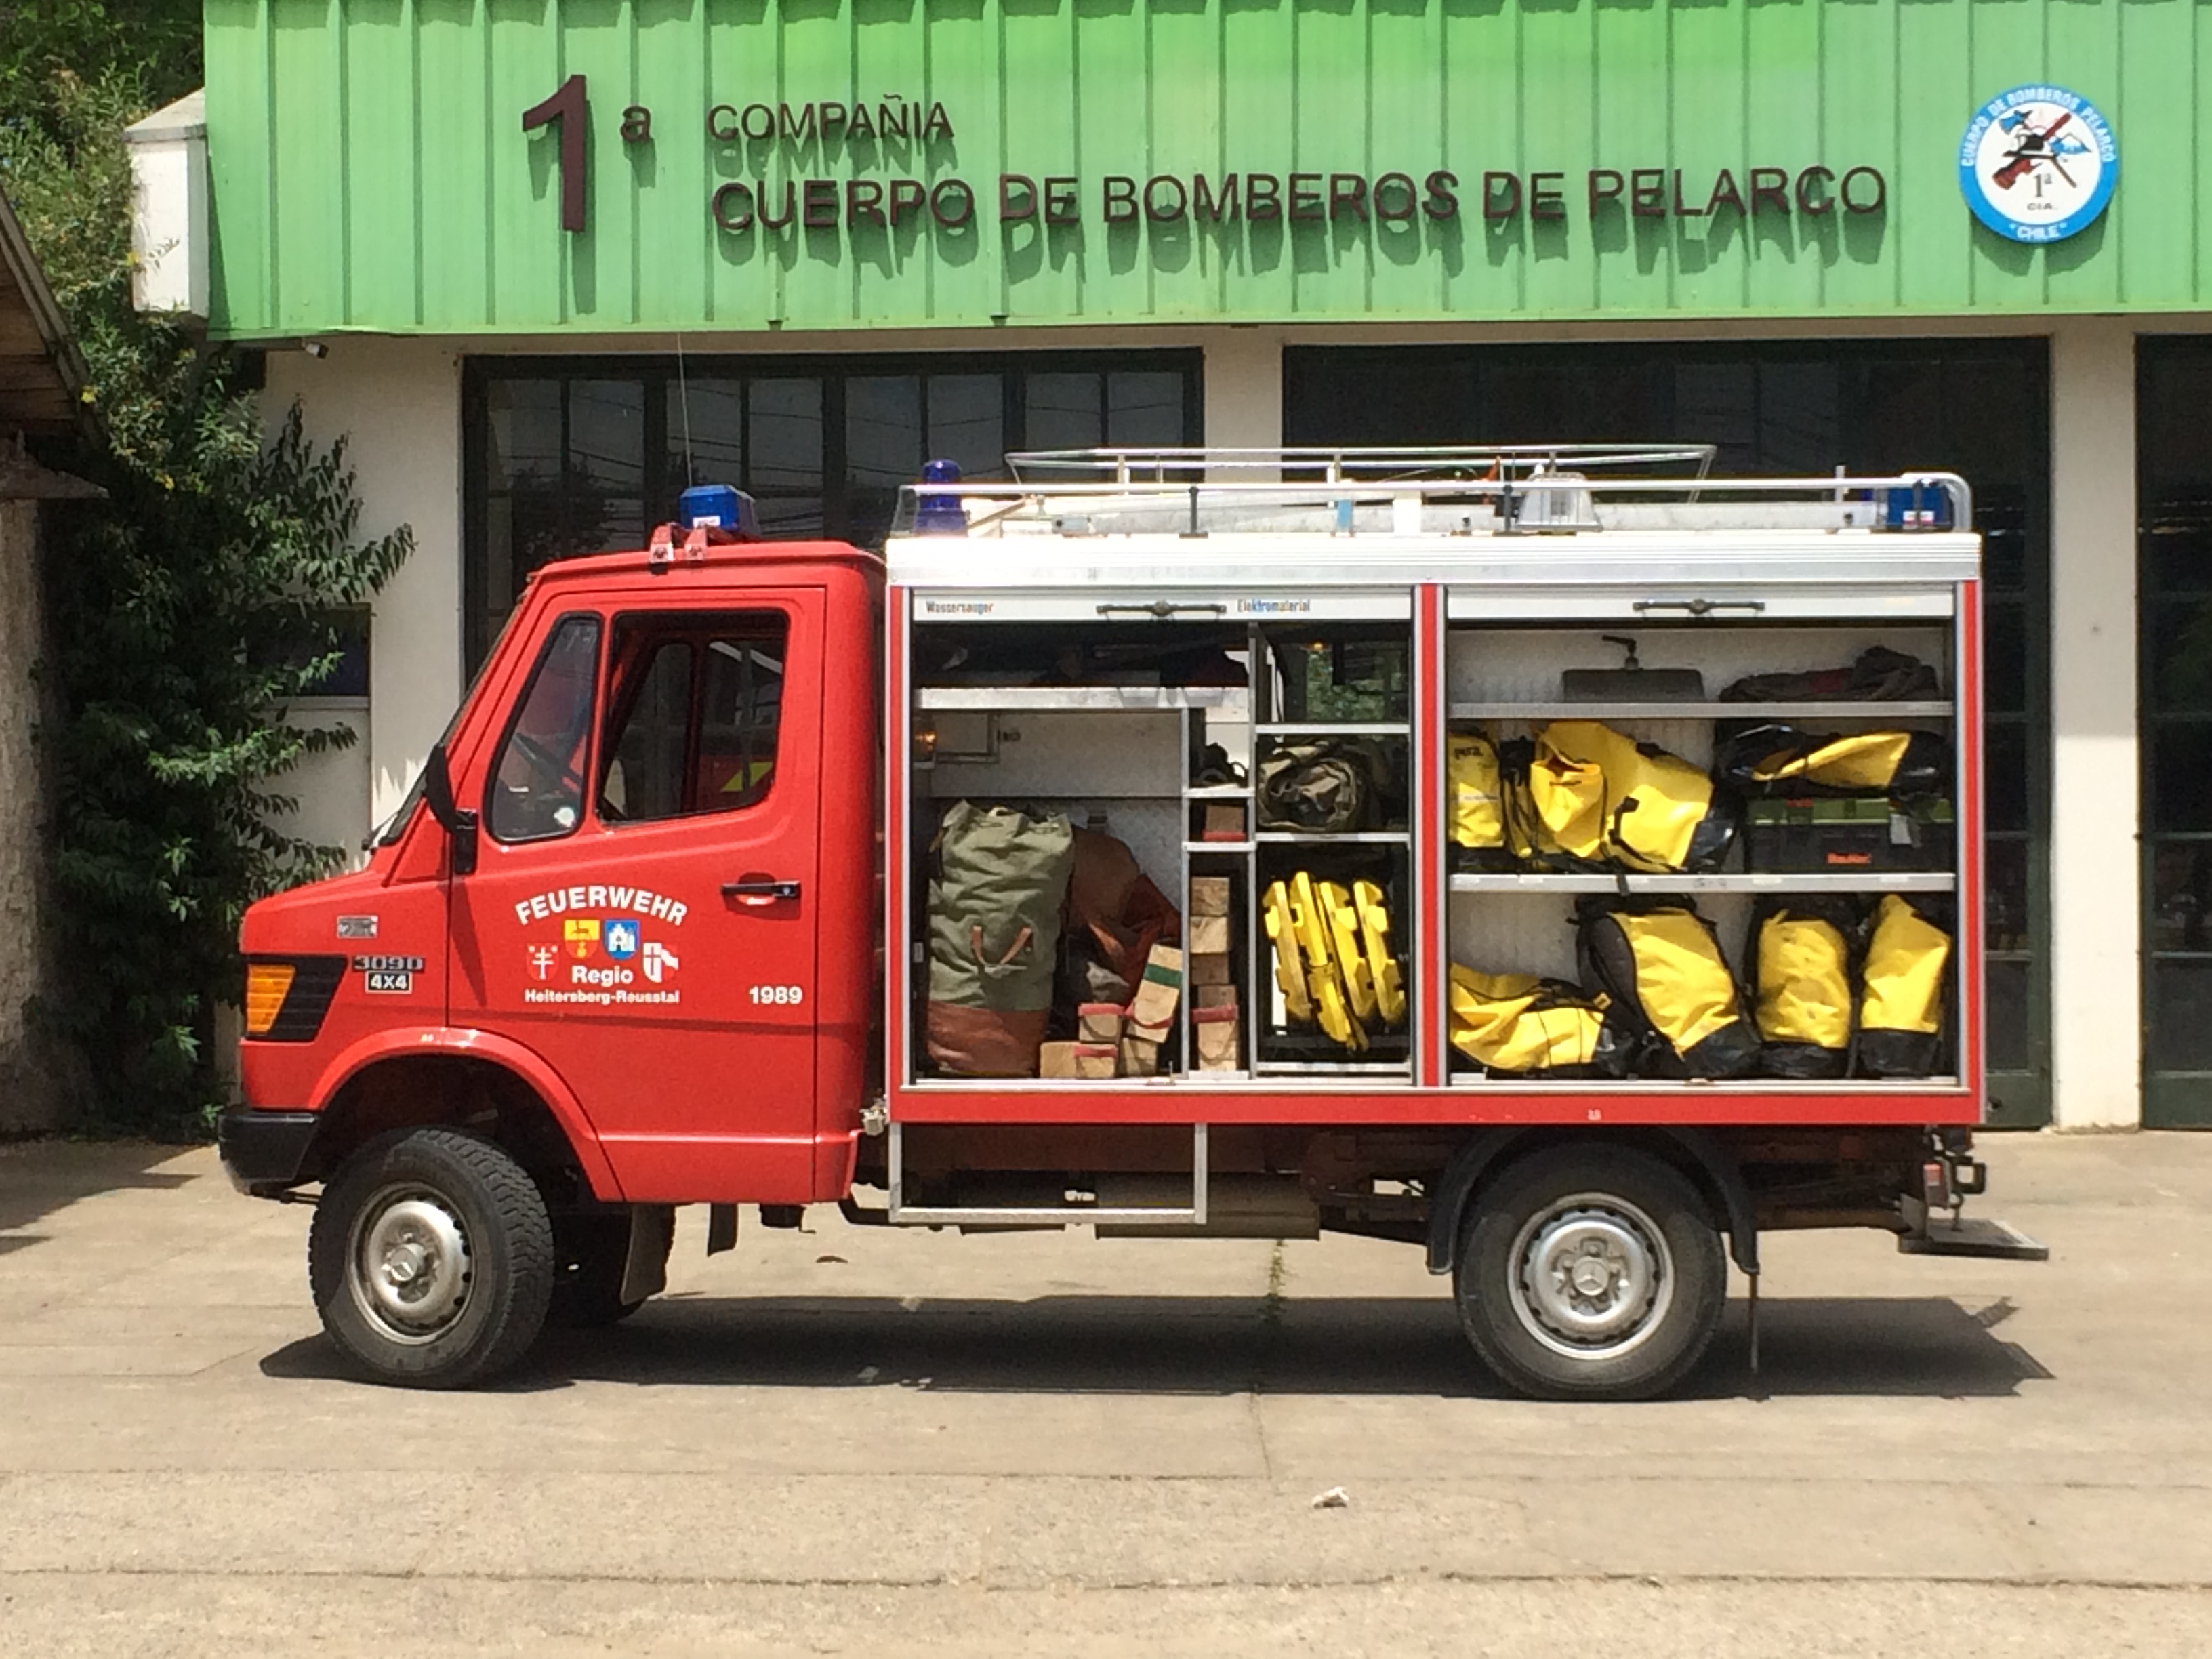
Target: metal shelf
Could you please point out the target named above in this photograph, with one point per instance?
(1334, 729)
(1610, 1087)
(1742, 881)
(1333, 1068)
(1218, 791)
(1084, 699)
(1326, 838)
(1701, 711)
(1217, 846)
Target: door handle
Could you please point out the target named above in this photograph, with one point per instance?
(760, 890)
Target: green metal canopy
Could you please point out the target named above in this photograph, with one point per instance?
(465, 166)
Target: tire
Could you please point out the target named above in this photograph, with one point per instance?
(1640, 1318)
(431, 1259)
(590, 1254)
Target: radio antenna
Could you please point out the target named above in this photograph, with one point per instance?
(684, 397)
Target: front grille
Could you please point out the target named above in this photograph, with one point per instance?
(314, 982)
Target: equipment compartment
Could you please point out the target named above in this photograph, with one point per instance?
(1544, 811)
(1228, 758)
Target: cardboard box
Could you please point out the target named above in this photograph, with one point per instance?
(1155, 1035)
(1162, 986)
(1056, 1059)
(1209, 896)
(1099, 1022)
(1209, 970)
(1139, 1058)
(1096, 1060)
(1212, 996)
(1208, 936)
(1217, 1032)
(1223, 822)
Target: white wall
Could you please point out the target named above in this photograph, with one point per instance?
(398, 402)
(2096, 907)
(1243, 388)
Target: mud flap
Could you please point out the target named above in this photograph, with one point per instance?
(645, 1272)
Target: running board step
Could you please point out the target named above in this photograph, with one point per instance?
(983, 1217)
(1974, 1236)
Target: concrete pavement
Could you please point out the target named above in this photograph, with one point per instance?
(845, 1438)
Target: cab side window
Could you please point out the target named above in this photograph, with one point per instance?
(536, 790)
(694, 714)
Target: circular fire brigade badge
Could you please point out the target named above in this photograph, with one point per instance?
(2037, 164)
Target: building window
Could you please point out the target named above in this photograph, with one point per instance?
(2174, 654)
(572, 456)
(1797, 408)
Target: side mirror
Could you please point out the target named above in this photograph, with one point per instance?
(459, 822)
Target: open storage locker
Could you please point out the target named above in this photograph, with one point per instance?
(1504, 679)
(1141, 733)
(1067, 655)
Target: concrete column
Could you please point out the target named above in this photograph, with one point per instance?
(399, 404)
(2096, 906)
(1244, 388)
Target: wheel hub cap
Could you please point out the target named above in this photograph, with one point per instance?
(410, 1269)
(1592, 1277)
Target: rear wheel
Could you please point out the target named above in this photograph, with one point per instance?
(1590, 1273)
(431, 1259)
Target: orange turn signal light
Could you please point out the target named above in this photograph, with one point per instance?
(267, 984)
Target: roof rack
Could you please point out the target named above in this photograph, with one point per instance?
(1461, 489)
(1435, 463)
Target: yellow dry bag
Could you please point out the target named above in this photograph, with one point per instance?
(1518, 1025)
(1607, 798)
(1903, 992)
(1663, 965)
(1804, 989)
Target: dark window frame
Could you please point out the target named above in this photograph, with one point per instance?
(658, 372)
(2174, 1096)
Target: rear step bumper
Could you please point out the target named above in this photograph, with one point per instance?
(1974, 1236)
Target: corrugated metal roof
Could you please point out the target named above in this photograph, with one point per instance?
(371, 169)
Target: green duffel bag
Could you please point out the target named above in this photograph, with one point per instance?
(997, 883)
(1326, 785)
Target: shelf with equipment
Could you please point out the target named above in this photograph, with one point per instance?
(1728, 881)
(1635, 817)
(1756, 713)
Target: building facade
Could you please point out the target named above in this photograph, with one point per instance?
(546, 264)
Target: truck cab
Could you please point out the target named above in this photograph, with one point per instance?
(624, 927)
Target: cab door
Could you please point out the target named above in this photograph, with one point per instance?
(642, 914)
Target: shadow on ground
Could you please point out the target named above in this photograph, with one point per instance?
(37, 1177)
(1926, 1347)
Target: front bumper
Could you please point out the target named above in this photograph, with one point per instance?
(263, 1153)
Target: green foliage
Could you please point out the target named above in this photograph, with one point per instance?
(185, 613)
(154, 45)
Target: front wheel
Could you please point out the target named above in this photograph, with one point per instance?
(431, 1259)
(1590, 1273)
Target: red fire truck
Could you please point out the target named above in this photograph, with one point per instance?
(1408, 750)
